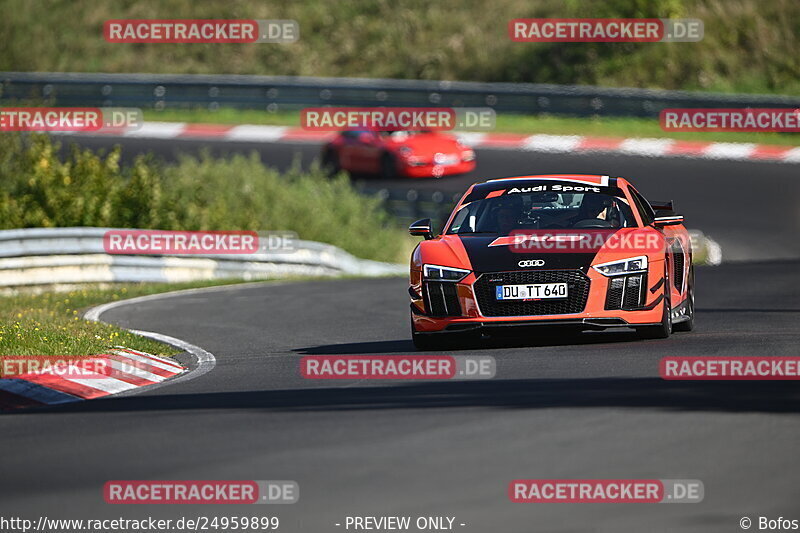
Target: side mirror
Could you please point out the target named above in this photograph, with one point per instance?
(421, 228)
(667, 218)
(663, 205)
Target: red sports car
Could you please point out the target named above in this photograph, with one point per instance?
(393, 154)
(586, 252)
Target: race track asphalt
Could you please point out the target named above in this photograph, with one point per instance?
(560, 407)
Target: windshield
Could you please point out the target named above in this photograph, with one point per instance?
(400, 135)
(542, 210)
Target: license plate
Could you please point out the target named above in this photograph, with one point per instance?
(441, 159)
(532, 291)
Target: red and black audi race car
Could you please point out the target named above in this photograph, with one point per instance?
(397, 154)
(558, 250)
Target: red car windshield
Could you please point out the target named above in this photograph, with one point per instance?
(402, 134)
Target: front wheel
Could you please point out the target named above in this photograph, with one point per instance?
(388, 167)
(330, 162)
(663, 330)
(688, 325)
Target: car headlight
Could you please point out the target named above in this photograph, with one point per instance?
(443, 273)
(467, 155)
(623, 266)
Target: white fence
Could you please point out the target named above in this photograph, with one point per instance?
(45, 256)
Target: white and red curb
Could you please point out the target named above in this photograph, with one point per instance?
(150, 371)
(656, 147)
(131, 370)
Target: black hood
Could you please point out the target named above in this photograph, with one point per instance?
(501, 258)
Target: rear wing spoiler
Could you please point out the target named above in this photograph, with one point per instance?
(665, 205)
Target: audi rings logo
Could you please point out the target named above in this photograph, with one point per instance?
(532, 263)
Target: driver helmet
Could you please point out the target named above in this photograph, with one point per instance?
(593, 204)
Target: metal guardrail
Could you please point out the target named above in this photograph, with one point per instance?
(49, 256)
(275, 93)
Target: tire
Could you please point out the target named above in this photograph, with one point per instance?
(688, 325)
(663, 330)
(330, 162)
(388, 167)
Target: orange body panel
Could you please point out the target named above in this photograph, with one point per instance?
(448, 250)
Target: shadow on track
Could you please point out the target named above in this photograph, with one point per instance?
(357, 348)
(535, 339)
(629, 393)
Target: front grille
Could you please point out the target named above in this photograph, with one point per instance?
(678, 259)
(575, 302)
(616, 289)
(626, 292)
(441, 299)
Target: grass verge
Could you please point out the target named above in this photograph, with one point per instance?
(51, 323)
(506, 123)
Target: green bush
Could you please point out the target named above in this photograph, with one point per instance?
(42, 189)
